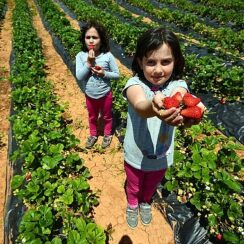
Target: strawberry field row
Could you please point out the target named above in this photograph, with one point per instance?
(53, 179)
(111, 6)
(222, 37)
(222, 17)
(2, 8)
(197, 165)
(236, 5)
(206, 74)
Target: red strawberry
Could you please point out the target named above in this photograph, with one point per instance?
(98, 67)
(192, 112)
(170, 102)
(219, 236)
(189, 100)
(222, 100)
(28, 176)
(177, 96)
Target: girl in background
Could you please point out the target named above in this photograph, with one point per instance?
(95, 67)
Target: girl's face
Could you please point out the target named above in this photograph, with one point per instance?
(92, 38)
(158, 65)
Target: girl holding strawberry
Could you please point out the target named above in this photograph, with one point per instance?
(95, 67)
(157, 65)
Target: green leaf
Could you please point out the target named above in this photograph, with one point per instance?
(35, 241)
(51, 162)
(169, 173)
(46, 231)
(32, 187)
(178, 156)
(217, 209)
(230, 237)
(234, 212)
(211, 164)
(205, 175)
(80, 224)
(171, 185)
(67, 197)
(74, 237)
(30, 158)
(61, 189)
(49, 188)
(56, 240)
(181, 173)
(46, 217)
(56, 149)
(197, 175)
(195, 200)
(17, 181)
(54, 135)
(196, 148)
(195, 167)
(31, 216)
(95, 234)
(41, 174)
(80, 184)
(196, 157)
(212, 220)
(234, 185)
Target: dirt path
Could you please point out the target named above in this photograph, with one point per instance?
(5, 50)
(106, 166)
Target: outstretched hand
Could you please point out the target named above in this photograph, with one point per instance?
(170, 116)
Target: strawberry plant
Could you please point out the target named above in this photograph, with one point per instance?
(2, 8)
(53, 181)
(206, 175)
(119, 103)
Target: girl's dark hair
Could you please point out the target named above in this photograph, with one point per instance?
(101, 32)
(151, 40)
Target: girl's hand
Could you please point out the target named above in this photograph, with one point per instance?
(97, 70)
(91, 58)
(170, 116)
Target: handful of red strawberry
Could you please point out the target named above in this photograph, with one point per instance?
(188, 102)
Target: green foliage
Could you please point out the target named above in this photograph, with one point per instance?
(119, 102)
(53, 183)
(207, 173)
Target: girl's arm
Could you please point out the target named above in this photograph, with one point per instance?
(82, 68)
(114, 70)
(150, 108)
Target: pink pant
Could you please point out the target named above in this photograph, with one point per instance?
(104, 106)
(141, 185)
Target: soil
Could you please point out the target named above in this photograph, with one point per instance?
(106, 166)
(5, 89)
